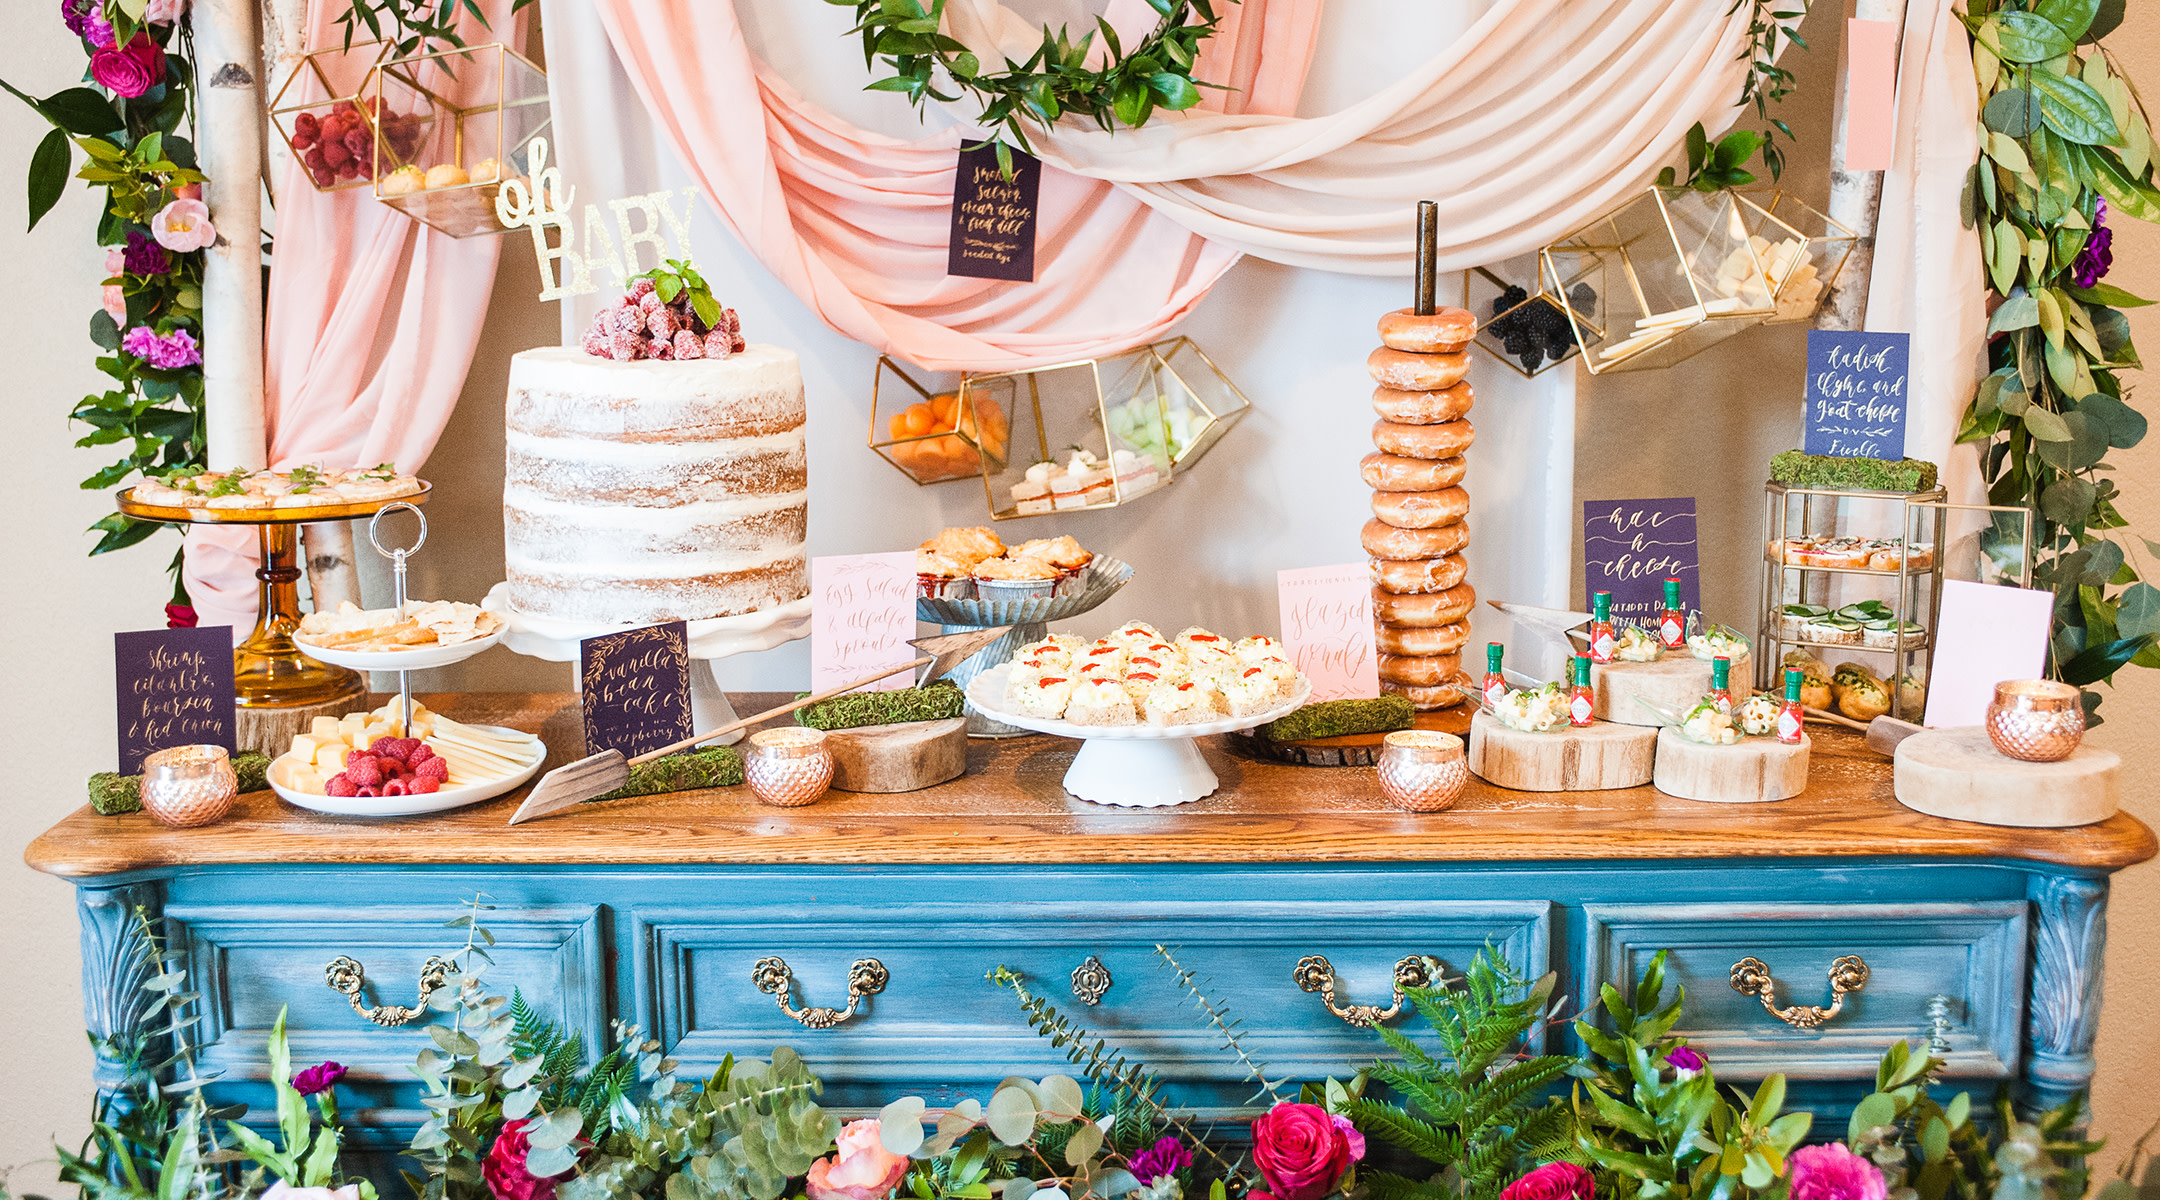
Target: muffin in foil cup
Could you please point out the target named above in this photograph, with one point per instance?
(1018, 589)
(939, 587)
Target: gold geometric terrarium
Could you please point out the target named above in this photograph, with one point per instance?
(1522, 318)
(1196, 402)
(926, 425)
(1676, 270)
(455, 125)
(1065, 455)
(318, 111)
(1803, 251)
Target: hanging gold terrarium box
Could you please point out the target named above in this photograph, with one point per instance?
(1802, 250)
(1073, 436)
(452, 127)
(320, 112)
(1523, 316)
(1677, 271)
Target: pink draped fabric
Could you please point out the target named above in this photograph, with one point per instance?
(369, 326)
(856, 223)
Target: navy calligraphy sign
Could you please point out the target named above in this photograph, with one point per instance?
(1856, 394)
(175, 688)
(1631, 547)
(993, 218)
(635, 686)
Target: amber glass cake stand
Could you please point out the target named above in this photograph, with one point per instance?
(268, 670)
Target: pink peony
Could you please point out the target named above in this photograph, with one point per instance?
(1303, 1152)
(504, 1168)
(165, 12)
(861, 1168)
(115, 260)
(1553, 1181)
(183, 225)
(129, 70)
(1832, 1172)
(114, 302)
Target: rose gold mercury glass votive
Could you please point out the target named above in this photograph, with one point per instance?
(2038, 720)
(1422, 770)
(186, 786)
(788, 766)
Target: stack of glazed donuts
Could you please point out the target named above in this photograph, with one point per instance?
(1421, 605)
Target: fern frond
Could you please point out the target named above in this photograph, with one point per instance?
(1429, 1141)
(1384, 1185)
(1504, 1088)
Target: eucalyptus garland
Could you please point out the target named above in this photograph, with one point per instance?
(2066, 146)
(1055, 80)
(130, 119)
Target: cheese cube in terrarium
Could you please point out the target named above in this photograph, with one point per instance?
(1802, 250)
(320, 114)
(455, 125)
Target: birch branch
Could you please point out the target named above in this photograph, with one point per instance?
(230, 149)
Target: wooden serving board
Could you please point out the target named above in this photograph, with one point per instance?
(1351, 749)
(1958, 773)
(1749, 771)
(1674, 683)
(1593, 758)
(903, 757)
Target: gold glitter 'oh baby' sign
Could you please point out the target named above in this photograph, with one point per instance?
(546, 204)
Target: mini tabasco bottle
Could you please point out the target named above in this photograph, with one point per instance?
(1495, 684)
(1789, 717)
(1579, 701)
(1672, 627)
(1721, 683)
(1601, 630)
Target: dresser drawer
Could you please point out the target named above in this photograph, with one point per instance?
(1972, 954)
(249, 961)
(939, 1020)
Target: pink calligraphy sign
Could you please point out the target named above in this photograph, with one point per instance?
(1327, 626)
(862, 612)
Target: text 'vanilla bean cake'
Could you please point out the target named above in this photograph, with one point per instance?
(658, 487)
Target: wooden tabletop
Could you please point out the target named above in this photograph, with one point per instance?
(1009, 808)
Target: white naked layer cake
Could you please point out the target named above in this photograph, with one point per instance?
(654, 491)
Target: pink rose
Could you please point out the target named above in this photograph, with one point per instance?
(165, 12)
(1301, 1151)
(114, 302)
(1554, 1181)
(183, 225)
(115, 260)
(129, 70)
(1833, 1172)
(861, 1168)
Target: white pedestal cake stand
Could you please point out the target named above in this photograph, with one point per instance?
(1133, 766)
(713, 638)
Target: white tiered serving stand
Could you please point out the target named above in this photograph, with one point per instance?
(711, 639)
(1132, 766)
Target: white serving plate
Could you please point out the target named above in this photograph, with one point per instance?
(418, 658)
(440, 800)
(1132, 766)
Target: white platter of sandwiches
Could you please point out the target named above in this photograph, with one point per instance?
(430, 633)
(1137, 700)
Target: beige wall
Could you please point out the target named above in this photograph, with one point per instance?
(57, 702)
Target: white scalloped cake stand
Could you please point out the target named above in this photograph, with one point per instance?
(713, 638)
(1132, 766)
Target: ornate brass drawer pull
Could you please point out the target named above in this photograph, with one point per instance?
(1751, 977)
(1314, 973)
(345, 975)
(775, 978)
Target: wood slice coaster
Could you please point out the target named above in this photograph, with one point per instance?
(271, 730)
(898, 758)
(1749, 771)
(1594, 758)
(1958, 773)
(1351, 749)
(1672, 682)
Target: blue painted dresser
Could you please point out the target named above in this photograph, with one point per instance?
(1294, 893)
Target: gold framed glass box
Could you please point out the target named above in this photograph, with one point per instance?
(921, 424)
(320, 112)
(454, 126)
(1803, 250)
(1523, 316)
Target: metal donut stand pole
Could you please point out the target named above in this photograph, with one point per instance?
(397, 576)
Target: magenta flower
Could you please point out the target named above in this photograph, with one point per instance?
(2098, 255)
(86, 20)
(1553, 1181)
(1832, 1172)
(1684, 1058)
(129, 70)
(144, 256)
(1166, 1157)
(173, 350)
(318, 1078)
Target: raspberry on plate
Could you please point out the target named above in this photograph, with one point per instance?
(340, 784)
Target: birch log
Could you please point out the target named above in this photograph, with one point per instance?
(333, 567)
(230, 151)
(1855, 196)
